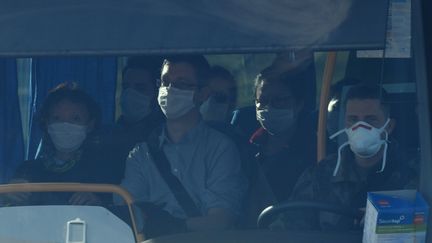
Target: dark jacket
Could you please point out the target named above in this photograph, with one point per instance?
(348, 188)
(283, 168)
(123, 137)
(87, 166)
(275, 175)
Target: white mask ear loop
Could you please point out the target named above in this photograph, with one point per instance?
(385, 153)
(339, 158)
(385, 125)
(337, 133)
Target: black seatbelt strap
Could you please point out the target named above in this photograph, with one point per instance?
(175, 185)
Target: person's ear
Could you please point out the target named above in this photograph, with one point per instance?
(391, 126)
(202, 95)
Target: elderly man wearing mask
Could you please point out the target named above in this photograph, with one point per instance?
(286, 139)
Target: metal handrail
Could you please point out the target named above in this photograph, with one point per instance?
(77, 187)
(325, 92)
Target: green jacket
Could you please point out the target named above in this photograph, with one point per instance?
(348, 188)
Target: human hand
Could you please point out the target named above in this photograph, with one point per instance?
(84, 198)
(16, 198)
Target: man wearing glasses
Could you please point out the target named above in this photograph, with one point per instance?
(286, 139)
(205, 162)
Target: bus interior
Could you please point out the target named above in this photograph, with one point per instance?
(44, 44)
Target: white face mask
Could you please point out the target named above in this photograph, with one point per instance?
(135, 105)
(67, 137)
(276, 121)
(175, 102)
(214, 111)
(365, 141)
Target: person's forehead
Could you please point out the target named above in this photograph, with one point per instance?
(137, 75)
(273, 89)
(221, 84)
(364, 107)
(180, 70)
(66, 106)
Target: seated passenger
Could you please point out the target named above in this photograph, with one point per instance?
(223, 97)
(68, 118)
(244, 121)
(217, 110)
(286, 139)
(186, 168)
(139, 94)
(334, 111)
(140, 112)
(369, 161)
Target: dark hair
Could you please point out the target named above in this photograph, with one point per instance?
(69, 92)
(220, 72)
(369, 91)
(151, 64)
(198, 62)
(337, 88)
(223, 73)
(295, 80)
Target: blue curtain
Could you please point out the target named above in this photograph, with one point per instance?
(11, 143)
(96, 75)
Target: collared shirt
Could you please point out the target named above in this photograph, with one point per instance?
(205, 161)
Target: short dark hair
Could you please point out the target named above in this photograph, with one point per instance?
(337, 88)
(69, 92)
(369, 91)
(198, 62)
(220, 72)
(151, 64)
(294, 80)
(223, 73)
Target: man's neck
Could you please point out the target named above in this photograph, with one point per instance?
(177, 128)
(368, 163)
(63, 155)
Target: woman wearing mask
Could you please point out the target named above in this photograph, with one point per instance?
(68, 118)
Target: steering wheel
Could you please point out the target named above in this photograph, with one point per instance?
(268, 214)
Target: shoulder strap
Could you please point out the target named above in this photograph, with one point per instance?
(162, 164)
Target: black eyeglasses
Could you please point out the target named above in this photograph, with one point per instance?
(222, 98)
(276, 102)
(179, 84)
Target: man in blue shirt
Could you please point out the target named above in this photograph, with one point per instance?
(205, 161)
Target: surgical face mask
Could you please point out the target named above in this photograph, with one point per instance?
(365, 141)
(276, 121)
(211, 110)
(135, 105)
(67, 137)
(175, 102)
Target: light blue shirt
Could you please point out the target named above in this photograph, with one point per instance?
(205, 161)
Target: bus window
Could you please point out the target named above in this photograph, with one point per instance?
(316, 123)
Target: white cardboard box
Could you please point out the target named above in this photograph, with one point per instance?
(395, 216)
